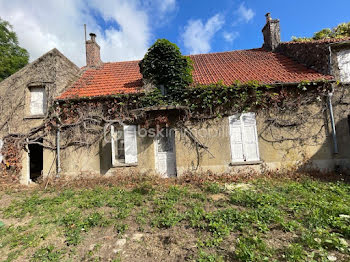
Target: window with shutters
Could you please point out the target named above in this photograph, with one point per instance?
(124, 145)
(244, 138)
(38, 101)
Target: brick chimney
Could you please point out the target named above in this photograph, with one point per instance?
(272, 33)
(92, 52)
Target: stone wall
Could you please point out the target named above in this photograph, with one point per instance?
(54, 72)
(272, 35)
(314, 55)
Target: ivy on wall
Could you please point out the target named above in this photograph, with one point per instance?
(203, 101)
(170, 74)
(166, 68)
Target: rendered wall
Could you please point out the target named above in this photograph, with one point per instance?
(97, 159)
(314, 152)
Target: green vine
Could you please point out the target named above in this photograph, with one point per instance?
(167, 69)
(204, 101)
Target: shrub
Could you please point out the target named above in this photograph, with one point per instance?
(164, 65)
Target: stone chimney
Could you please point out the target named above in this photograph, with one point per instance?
(272, 33)
(92, 52)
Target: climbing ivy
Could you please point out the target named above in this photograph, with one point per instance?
(204, 101)
(166, 68)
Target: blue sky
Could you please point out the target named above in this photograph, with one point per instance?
(126, 28)
(297, 18)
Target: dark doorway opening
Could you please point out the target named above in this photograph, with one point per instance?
(36, 159)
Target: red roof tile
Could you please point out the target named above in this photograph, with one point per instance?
(246, 65)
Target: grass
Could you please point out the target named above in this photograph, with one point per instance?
(271, 220)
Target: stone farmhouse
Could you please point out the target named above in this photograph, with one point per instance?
(315, 133)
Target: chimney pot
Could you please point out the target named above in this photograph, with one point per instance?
(271, 33)
(93, 37)
(92, 52)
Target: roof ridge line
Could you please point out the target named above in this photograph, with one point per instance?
(213, 53)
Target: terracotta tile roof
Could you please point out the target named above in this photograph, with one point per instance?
(245, 65)
(111, 78)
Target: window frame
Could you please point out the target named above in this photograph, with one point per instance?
(126, 161)
(1, 146)
(44, 102)
(115, 144)
(242, 127)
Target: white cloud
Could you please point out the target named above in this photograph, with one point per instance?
(230, 37)
(197, 36)
(167, 5)
(132, 39)
(42, 25)
(245, 14)
(164, 11)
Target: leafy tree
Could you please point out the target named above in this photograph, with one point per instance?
(12, 56)
(165, 67)
(340, 31)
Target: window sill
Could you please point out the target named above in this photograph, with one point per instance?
(125, 165)
(34, 117)
(246, 163)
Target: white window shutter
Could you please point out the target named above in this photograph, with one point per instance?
(37, 101)
(1, 145)
(250, 137)
(130, 144)
(236, 138)
(113, 135)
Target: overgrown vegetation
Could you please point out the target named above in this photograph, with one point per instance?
(340, 31)
(203, 101)
(12, 56)
(169, 74)
(266, 220)
(166, 68)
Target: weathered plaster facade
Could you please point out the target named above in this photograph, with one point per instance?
(311, 152)
(343, 59)
(53, 72)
